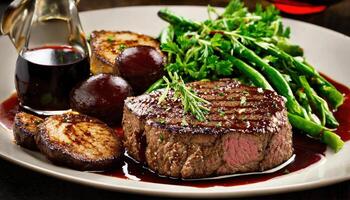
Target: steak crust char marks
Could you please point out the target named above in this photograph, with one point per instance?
(246, 130)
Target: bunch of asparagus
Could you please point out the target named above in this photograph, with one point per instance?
(253, 47)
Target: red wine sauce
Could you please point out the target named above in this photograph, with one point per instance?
(8, 110)
(308, 151)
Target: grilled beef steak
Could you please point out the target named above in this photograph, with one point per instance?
(246, 130)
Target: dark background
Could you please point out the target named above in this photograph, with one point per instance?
(20, 183)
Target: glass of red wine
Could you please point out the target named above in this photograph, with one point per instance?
(302, 7)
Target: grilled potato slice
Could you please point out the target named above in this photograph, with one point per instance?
(107, 45)
(79, 142)
(25, 129)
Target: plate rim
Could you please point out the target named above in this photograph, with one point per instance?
(200, 193)
(199, 6)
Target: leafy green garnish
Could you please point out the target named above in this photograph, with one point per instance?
(199, 50)
(251, 47)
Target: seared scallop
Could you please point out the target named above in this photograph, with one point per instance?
(25, 129)
(79, 142)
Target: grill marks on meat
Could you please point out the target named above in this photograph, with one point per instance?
(79, 141)
(246, 130)
(26, 129)
(233, 107)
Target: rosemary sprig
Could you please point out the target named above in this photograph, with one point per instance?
(190, 101)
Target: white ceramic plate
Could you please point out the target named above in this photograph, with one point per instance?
(326, 49)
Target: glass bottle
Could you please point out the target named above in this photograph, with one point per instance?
(52, 52)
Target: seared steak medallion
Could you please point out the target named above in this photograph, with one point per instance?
(246, 130)
(79, 141)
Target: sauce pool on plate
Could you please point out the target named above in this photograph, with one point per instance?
(307, 150)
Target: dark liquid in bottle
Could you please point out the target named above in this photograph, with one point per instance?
(45, 76)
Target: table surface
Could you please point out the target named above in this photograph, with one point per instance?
(20, 183)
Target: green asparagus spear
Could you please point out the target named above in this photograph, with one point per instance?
(319, 104)
(257, 79)
(335, 97)
(203, 55)
(316, 131)
(291, 49)
(304, 102)
(299, 93)
(175, 20)
(274, 76)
